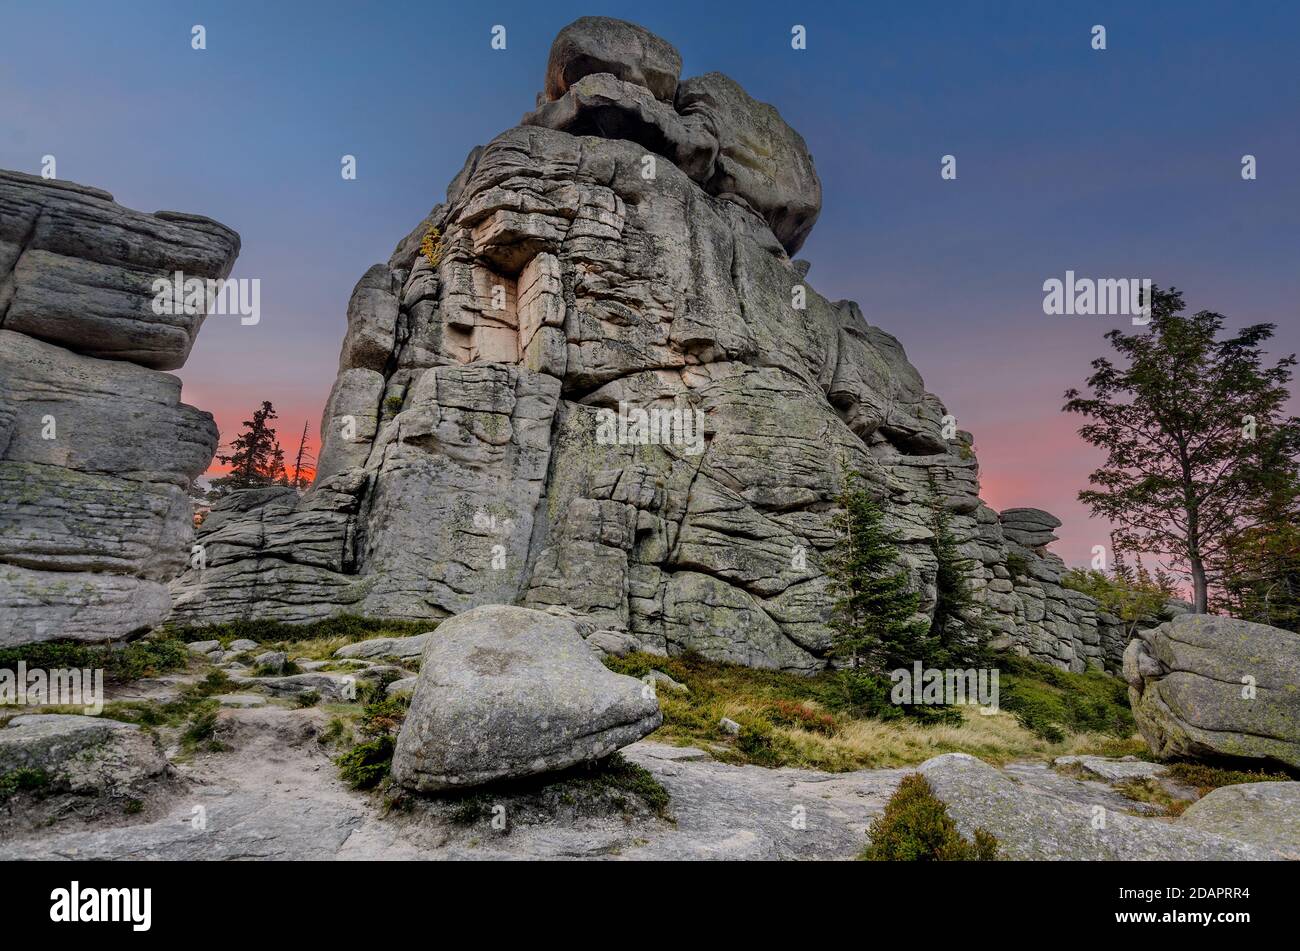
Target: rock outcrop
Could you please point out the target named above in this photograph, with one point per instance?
(96, 450)
(506, 692)
(1202, 685)
(593, 382)
(84, 766)
(1266, 814)
(1029, 826)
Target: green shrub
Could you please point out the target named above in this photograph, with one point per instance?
(1017, 565)
(23, 779)
(366, 764)
(916, 827)
(617, 773)
(201, 730)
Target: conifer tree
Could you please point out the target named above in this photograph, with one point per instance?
(874, 619)
(255, 457)
(959, 633)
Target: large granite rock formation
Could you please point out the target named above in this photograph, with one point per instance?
(1202, 685)
(96, 450)
(624, 251)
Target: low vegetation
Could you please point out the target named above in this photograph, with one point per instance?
(1053, 703)
(916, 827)
(344, 627)
(366, 763)
(1205, 778)
(23, 779)
(613, 786)
(839, 721)
(147, 657)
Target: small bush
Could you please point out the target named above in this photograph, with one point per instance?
(615, 772)
(23, 779)
(431, 246)
(201, 730)
(308, 698)
(1051, 703)
(916, 827)
(366, 764)
(1017, 565)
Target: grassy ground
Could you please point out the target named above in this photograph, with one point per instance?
(830, 721)
(344, 628)
(821, 722)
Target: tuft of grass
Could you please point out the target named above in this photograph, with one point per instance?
(916, 827)
(120, 662)
(200, 732)
(308, 698)
(1205, 778)
(1151, 791)
(23, 779)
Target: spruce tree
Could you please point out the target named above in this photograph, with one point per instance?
(959, 633)
(874, 617)
(255, 457)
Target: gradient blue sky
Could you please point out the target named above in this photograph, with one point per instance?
(1117, 163)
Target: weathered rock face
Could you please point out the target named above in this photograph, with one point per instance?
(88, 766)
(621, 256)
(1035, 827)
(506, 692)
(1205, 685)
(96, 450)
(77, 269)
(1267, 814)
(605, 45)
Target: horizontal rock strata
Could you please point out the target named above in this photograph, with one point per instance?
(97, 452)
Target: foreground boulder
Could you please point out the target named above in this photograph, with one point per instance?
(1202, 685)
(505, 692)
